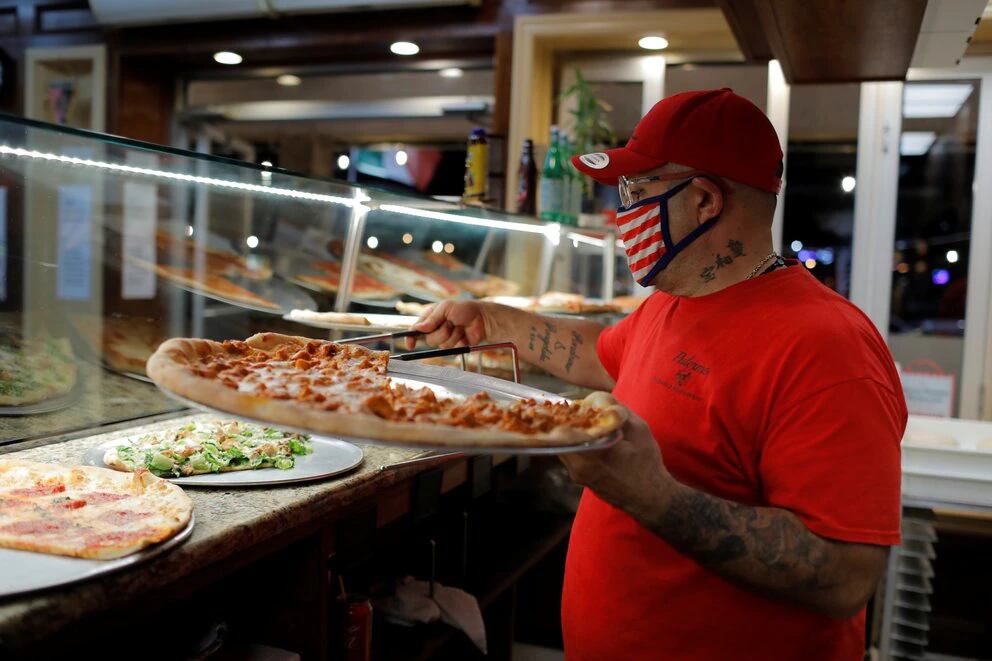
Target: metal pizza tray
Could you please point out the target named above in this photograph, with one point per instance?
(448, 382)
(466, 272)
(273, 289)
(290, 270)
(27, 571)
(330, 457)
(49, 405)
(377, 322)
(404, 285)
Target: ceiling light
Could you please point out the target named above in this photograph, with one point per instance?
(288, 80)
(372, 242)
(266, 164)
(916, 143)
(227, 57)
(449, 248)
(408, 238)
(847, 183)
(401, 157)
(943, 100)
(451, 72)
(343, 162)
(437, 246)
(653, 42)
(252, 241)
(952, 256)
(404, 48)
(796, 246)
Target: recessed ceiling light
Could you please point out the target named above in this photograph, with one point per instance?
(407, 238)
(404, 48)
(227, 57)
(288, 80)
(252, 241)
(343, 162)
(848, 183)
(437, 246)
(266, 164)
(401, 157)
(653, 42)
(451, 72)
(372, 242)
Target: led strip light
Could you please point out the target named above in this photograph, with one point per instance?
(551, 230)
(355, 203)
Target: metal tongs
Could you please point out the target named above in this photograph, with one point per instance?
(438, 353)
(434, 353)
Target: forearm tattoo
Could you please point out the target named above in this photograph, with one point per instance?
(544, 339)
(720, 535)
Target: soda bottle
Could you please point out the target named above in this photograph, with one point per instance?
(527, 180)
(552, 180)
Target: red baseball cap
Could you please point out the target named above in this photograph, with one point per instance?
(715, 131)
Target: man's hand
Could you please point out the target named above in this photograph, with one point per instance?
(563, 347)
(453, 323)
(765, 549)
(630, 475)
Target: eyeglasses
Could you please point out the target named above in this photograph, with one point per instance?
(628, 198)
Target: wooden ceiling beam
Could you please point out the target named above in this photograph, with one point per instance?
(829, 41)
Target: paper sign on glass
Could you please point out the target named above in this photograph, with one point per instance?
(139, 240)
(74, 248)
(929, 394)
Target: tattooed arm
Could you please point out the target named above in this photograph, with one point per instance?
(563, 347)
(764, 549)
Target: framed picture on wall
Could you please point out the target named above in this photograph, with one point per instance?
(67, 86)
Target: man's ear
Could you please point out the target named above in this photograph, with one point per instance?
(710, 199)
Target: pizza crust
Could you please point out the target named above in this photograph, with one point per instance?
(169, 366)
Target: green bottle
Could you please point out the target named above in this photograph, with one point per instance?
(552, 181)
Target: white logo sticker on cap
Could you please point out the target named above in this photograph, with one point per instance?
(596, 161)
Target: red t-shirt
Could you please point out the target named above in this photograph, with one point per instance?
(773, 392)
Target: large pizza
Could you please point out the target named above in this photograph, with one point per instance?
(475, 283)
(86, 512)
(344, 389)
(407, 276)
(33, 370)
(125, 342)
(217, 262)
(208, 283)
(362, 285)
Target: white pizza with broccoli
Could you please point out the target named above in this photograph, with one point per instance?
(34, 369)
(209, 446)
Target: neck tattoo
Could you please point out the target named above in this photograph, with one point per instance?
(768, 258)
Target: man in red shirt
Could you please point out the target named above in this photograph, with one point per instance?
(748, 511)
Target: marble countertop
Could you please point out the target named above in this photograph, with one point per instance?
(227, 521)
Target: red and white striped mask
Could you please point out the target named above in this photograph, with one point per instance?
(646, 236)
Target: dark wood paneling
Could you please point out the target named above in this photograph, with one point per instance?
(746, 26)
(141, 99)
(818, 41)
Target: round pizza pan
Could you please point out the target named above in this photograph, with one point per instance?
(447, 382)
(377, 323)
(274, 289)
(49, 405)
(330, 457)
(27, 571)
